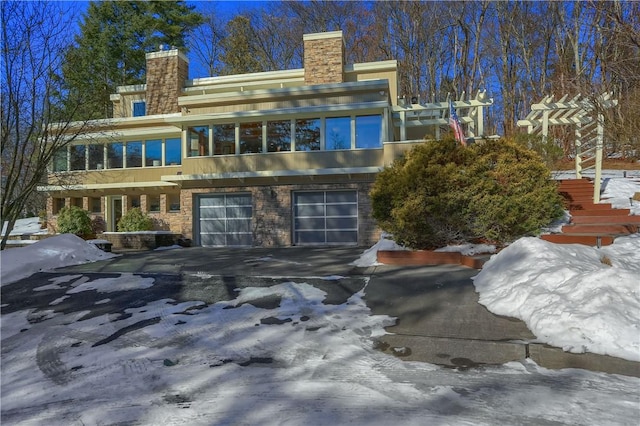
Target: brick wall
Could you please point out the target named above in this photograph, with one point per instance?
(324, 58)
(272, 211)
(166, 73)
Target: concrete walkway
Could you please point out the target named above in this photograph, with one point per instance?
(439, 319)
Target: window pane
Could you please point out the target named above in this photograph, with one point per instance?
(135, 201)
(173, 151)
(58, 204)
(95, 205)
(308, 134)
(134, 154)
(77, 157)
(77, 201)
(198, 141)
(96, 157)
(369, 131)
(153, 153)
(139, 108)
(174, 202)
(250, 138)
(153, 202)
(279, 136)
(114, 155)
(338, 133)
(224, 139)
(60, 160)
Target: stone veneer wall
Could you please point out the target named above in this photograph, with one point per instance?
(272, 211)
(324, 58)
(166, 74)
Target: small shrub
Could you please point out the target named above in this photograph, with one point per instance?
(135, 220)
(74, 220)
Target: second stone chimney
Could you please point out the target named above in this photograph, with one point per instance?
(167, 71)
(324, 58)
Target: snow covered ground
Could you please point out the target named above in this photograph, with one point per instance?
(224, 364)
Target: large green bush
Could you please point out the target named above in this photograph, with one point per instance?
(74, 220)
(441, 193)
(135, 220)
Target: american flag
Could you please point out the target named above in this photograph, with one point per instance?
(455, 125)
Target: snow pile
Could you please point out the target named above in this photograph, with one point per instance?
(579, 298)
(469, 249)
(27, 226)
(619, 193)
(370, 256)
(48, 254)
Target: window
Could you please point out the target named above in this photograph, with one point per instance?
(198, 141)
(308, 134)
(250, 138)
(134, 201)
(134, 154)
(154, 203)
(60, 160)
(139, 108)
(96, 157)
(58, 204)
(279, 136)
(224, 139)
(174, 202)
(78, 157)
(369, 131)
(338, 133)
(173, 151)
(95, 205)
(77, 202)
(153, 153)
(114, 155)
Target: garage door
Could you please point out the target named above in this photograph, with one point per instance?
(325, 217)
(225, 220)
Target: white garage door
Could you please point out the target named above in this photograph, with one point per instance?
(325, 217)
(225, 220)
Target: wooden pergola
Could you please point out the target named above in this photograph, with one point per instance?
(411, 113)
(583, 113)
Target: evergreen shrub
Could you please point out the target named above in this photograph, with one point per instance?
(135, 220)
(74, 220)
(442, 193)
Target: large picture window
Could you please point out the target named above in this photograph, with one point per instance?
(308, 134)
(78, 157)
(96, 157)
(153, 153)
(134, 154)
(173, 151)
(224, 139)
(250, 138)
(279, 136)
(198, 141)
(114, 155)
(60, 160)
(369, 131)
(337, 133)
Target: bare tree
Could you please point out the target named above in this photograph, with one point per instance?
(34, 37)
(206, 41)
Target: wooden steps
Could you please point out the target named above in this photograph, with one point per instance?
(591, 224)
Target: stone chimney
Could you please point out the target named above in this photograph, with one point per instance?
(323, 58)
(167, 71)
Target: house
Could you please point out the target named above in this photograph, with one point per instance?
(264, 159)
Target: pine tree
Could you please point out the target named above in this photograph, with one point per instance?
(110, 49)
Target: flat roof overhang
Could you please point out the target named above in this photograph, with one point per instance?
(108, 186)
(273, 175)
